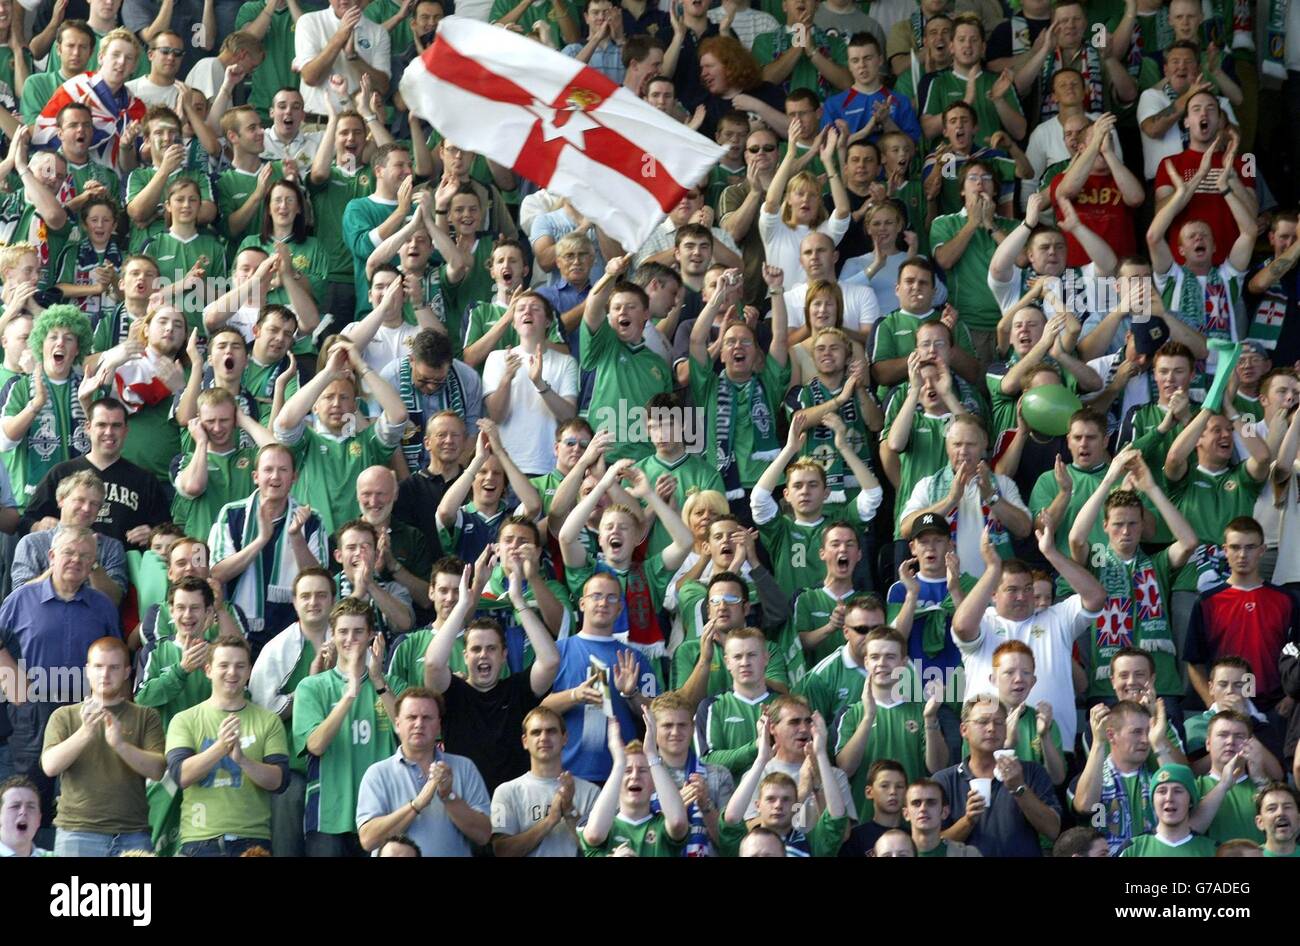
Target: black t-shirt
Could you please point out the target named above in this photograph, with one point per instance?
(486, 727)
(862, 839)
(417, 505)
(133, 497)
(1000, 39)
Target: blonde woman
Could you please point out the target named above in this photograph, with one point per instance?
(794, 206)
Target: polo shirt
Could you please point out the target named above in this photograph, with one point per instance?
(394, 782)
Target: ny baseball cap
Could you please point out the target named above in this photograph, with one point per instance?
(930, 522)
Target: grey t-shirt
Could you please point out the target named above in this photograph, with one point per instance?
(519, 804)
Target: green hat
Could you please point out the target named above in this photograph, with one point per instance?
(1180, 774)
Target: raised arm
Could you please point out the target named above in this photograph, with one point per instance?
(437, 657)
(966, 619)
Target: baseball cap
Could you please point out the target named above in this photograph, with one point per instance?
(930, 522)
(1149, 335)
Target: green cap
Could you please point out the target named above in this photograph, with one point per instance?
(1172, 772)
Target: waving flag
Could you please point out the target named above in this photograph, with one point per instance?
(559, 123)
(110, 112)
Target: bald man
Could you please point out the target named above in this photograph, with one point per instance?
(405, 553)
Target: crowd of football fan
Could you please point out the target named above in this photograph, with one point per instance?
(925, 485)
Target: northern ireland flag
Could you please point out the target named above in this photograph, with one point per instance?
(559, 123)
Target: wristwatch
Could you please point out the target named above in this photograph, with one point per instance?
(995, 498)
(1019, 790)
(452, 796)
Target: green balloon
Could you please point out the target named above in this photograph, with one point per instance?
(1048, 408)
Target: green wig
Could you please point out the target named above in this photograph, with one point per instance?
(66, 317)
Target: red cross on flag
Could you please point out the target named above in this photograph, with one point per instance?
(563, 125)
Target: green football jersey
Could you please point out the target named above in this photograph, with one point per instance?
(234, 188)
(328, 201)
(230, 479)
(812, 609)
(751, 420)
(647, 838)
(154, 440)
(81, 174)
(364, 738)
(687, 655)
(309, 258)
(626, 378)
(895, 337)
(169, 687)
(226, 802)
(947, 87)
(692, 473)
(275, 72)
(50, 439)
(177, 255)
(968, 286)
(897, 732)
(1236, 817)
(360, 217)
(324, 462)
(259, 380)
(137, 181)
(833, 683)
(1149, 845)
(726, 727)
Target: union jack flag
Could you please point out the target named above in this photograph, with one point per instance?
(1115, 623)
(111, 112)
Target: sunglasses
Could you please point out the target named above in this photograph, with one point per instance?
(169, 50)
(761, 149)
(863, 628)
(725, 599)
(575, 442)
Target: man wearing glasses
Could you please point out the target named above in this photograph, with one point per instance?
(160, 87)
(739, 203)
(627, 682)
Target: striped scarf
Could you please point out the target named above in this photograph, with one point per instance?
(823, 438)
(765, 443)
(1209, 309)
(698, 842)
(87, 260)
(1119, 816)
(941, 485)
(1094, 99)
(453, 395)
(253, 589)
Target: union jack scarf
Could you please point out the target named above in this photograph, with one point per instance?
(110, 112)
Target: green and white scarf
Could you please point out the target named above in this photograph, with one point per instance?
(765, 445)
(1134, 614)
(453, 394)
(254, 588)
(1119, 816)
(823, 438)
(1209, 309)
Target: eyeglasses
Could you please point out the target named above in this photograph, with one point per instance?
(608, 599)
(761, 149)
(725, 599)
(575, 442)
(979, 178)
(863, 628)
(169, 50)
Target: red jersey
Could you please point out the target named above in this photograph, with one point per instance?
(1102, 210)
(1252, 624)
(1207, 203)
